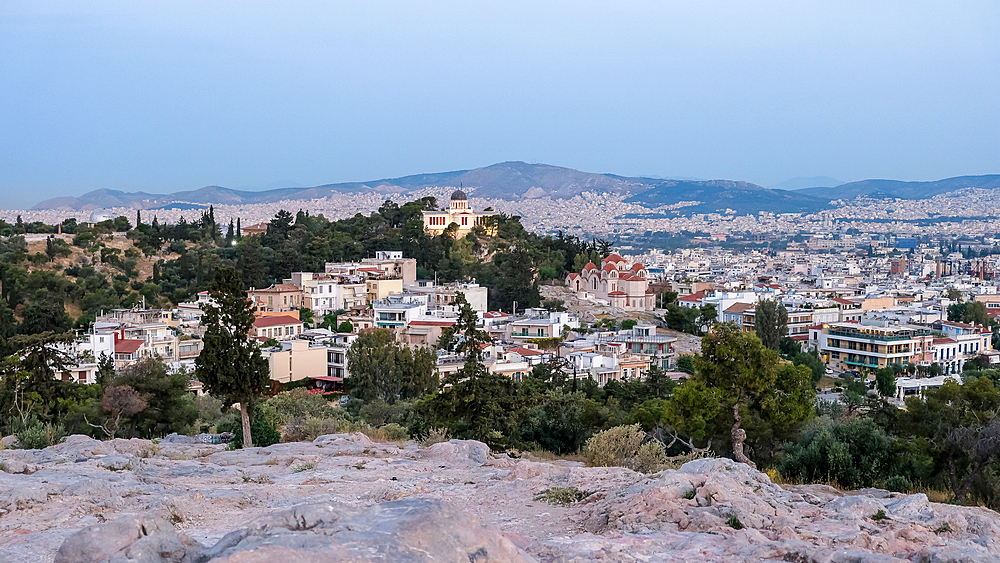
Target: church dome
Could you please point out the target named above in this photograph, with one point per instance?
(458, 195)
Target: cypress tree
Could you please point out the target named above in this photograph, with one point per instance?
(231, 365)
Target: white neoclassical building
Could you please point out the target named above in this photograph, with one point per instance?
(459, 212)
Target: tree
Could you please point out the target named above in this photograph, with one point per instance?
(856, 453)
(885, 382)
(306, 315)
(708, 316)
(770, 322)
(975, 312)
(812, 361)
(658, 383)
(345, 326)
(230, 364)
(119, 401)
(685, 363)
(957, 428)
(743, 378)
(627, 324)
(382, 369)
(953, 294)
(479, 404)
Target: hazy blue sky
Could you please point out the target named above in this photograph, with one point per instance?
(177, 95)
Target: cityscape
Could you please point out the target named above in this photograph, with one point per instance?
(657, 328)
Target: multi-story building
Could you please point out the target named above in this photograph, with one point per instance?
(276, 327)
(443, 296)
(328, 292)
(848, 346)
(292, 360)
(641, 341)
(799, 321)
(279, 298)
(399, 310)
(540, 323)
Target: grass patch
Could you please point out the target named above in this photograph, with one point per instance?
(880, 515)
(734, 522)
(690, 494)
(303, 467)
(562, 496)
(943, 528)
(259, 479)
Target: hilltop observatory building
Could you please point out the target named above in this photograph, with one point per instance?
(459, 212)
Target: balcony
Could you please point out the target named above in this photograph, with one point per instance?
(865, 336)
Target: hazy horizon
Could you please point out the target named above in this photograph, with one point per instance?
(251, 96)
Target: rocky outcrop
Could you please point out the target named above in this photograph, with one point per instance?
(345, 498)
(413, 530)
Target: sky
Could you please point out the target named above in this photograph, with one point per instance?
(169, 96)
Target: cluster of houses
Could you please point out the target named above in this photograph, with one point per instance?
(383, 292)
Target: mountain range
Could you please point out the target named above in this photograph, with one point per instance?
(520, 180)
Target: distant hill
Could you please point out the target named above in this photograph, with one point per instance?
(801, 182)
(903, 190)
(517, 181)
(719, 195)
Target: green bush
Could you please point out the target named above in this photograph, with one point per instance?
(395, 432)
(898, 484)
(37, 435)
(264, 432)
(856, 453)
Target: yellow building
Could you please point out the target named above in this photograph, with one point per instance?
(296, 360)
(459, 212)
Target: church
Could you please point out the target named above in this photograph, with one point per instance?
(616, 282)
(459, 212)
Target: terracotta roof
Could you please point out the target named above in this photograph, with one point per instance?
(637, 267)
(697, 296)
(945, 341)
(613, 257)
(574, 276)
(739, 307)
(261, 322)
(495, 314)
(589, 266)
(617, 293)
(525, 351)
(128, 346)
(610, 268)
(842, 301)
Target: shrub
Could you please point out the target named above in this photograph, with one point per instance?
(734, 522)
(562, 496)
(394, 432)
(263, 431)
(622, 446)
(880, 515)
(898, 484)
(37, 435)
(434, 436)
(856, 453)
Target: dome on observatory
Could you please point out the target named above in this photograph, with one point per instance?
(458, 195)
(99, 215)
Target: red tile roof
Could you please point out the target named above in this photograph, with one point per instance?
(525, 351)
(613, 257)
(739, 307)
(617, 293)
(263, 322)
(128, 346)
(589, 266)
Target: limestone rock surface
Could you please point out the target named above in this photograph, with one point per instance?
(343, 497)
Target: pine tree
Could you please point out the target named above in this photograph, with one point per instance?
(239, 229)
(138, 218)
(230, 234)
(231, 365)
